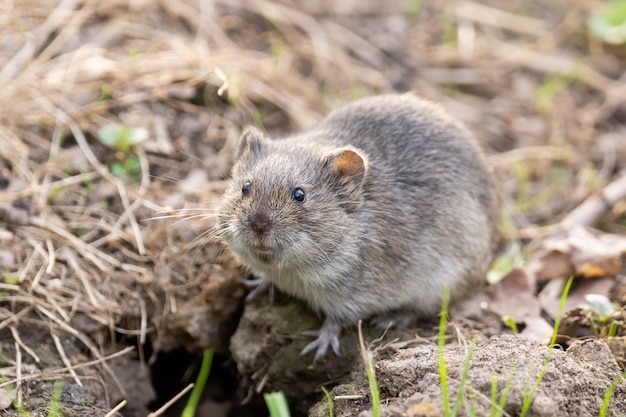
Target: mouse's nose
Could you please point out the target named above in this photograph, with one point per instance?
(260, 222)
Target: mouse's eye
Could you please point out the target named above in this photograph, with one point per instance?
(298, 195)
(245, 189)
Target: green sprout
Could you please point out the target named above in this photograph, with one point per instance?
(509, 322)
(603, 316)
(497, 406)
(609, 23)
(54, 410)
(11, 279)
(610, 392)
(105, 92)
(329, 401)
(123, 138)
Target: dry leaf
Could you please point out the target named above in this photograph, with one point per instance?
(579, 251)
(550, 295)
(537, 330)
(514, 296)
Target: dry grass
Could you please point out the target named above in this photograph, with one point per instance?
(528, 80)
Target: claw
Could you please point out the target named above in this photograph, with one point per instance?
(327, 336)
(259, 286)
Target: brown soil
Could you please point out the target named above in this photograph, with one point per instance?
(409, 380)
(115, 286)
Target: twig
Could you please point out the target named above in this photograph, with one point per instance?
(499, 18)
(18, 372)
(555, 153)
(18, 340)
(368, 52)
(85, 340)
(143, 328)
(183, 11)
(53, 23)
(595, 206)
(285, 18)
(64, 358)
(170, 402)
(81, 140)
(51, 256)
(35, 282)
(14, 317)
(554, 64)
(29, 265)
(585, 214)
(55, 373)
(349, 397)
(10, 287)
(89, 252)
(10, 196)
(121, 189)
(73, 262)
(115, 409)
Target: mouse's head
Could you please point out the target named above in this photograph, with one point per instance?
(291, 203)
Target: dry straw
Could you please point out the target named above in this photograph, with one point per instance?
(70, 67)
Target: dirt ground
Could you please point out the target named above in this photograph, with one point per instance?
(113, 285)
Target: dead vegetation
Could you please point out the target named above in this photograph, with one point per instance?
(102, 261)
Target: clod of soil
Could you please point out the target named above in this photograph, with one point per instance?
(574, 382)
(266, 347)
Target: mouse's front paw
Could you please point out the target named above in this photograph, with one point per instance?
(258, 286)
(327, 336)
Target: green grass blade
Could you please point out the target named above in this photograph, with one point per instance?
(375, 392)
(461, 393)
(559, 314)
(54, 410)
(528, 397)
(471, 407)
(494, 395)
(277, 404)
(329, 401)
(507, 387)
(443, 376)
(196, 393)
(370, 371)
(606, 400)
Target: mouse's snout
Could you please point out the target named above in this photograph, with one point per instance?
(260, 222)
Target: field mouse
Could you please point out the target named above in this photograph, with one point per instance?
(373, 210)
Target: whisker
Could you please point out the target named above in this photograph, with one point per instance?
(206, 236)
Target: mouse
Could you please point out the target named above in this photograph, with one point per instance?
(374, 210)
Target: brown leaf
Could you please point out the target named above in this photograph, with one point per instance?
(554, 264)
(537, 330)
(570, 323)
(550, 295)
(514, 296)
(579, 251)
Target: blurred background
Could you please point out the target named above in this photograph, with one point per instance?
(117, 119)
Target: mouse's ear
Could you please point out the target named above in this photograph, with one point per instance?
(250, 142)
(347, 164)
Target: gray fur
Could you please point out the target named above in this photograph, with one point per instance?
(417, 214)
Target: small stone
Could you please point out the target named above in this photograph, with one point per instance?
(6, 399)
(7, 259)
(423, 410)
